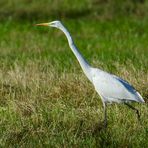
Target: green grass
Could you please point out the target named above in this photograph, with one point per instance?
(45, 99)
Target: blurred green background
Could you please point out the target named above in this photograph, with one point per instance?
(91, 9)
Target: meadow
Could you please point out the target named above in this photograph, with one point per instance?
(46, 100)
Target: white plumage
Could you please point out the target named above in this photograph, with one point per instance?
(111, 88)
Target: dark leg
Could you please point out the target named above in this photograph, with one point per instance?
(133, 108)
(105, 114)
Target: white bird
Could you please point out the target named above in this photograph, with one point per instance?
(111, 88)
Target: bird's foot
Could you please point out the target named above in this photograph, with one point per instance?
(138, 115)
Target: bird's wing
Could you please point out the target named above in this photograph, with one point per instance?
(130, 88)
(113, 88)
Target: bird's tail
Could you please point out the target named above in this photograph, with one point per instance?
(140, 99)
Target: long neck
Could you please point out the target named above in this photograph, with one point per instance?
(83, 63)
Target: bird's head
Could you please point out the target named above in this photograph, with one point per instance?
(56, 24)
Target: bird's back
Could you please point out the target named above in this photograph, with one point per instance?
(112, 88)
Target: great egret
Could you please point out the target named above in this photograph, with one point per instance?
(111, 88)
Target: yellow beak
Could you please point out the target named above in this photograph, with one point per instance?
(42, 24)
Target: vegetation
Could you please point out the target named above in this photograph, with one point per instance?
(45, 99)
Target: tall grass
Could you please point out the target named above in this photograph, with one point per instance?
(45, 99)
